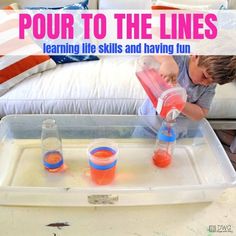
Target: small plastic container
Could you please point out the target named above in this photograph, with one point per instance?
(102, 155)
(168, 100)
(163, 153)
(51, 147)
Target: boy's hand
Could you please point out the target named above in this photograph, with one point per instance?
(169, 70)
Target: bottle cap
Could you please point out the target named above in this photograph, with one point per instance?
(171, 137)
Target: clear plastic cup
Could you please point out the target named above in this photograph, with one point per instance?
(51, 147)
(102, 155)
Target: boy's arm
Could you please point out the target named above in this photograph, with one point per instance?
(194, 112)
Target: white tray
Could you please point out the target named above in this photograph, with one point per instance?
(200, 170)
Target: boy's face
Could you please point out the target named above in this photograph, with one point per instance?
(198, 74)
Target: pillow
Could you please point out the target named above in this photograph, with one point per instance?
(13, 6)
(163, 7)
(82, 5)
(61, 59)
(51, 3)
(189, 5)
(125, 4)
(15, 68)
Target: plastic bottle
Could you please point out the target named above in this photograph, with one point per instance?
(51, 147)
(168, 99)
(166, 139)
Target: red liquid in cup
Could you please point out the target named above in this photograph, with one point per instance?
(103, 153)
(102, 177)
(53, 158)
(161, 158)
(154, 86)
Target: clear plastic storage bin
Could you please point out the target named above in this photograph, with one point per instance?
(199, 172)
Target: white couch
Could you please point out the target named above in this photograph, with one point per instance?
(107, 86)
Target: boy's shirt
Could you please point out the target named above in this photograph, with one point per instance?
(196, 94)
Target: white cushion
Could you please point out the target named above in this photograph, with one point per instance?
(223, 105)
(105, 86)
(125, 4)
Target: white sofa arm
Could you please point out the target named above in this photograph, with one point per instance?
(232, 4)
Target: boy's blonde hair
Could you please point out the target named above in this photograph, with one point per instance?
(222, 69)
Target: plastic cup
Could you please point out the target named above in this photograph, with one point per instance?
(51, 147)
(53, 161)
(102, 155)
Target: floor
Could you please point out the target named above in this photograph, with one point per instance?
(226, 137)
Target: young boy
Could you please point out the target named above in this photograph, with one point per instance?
(199, 76)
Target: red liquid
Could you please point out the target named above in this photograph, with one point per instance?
(103, 153)
(161, 158)
(102, 177)
(175, 102)
(154, 86)
(53, 158)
